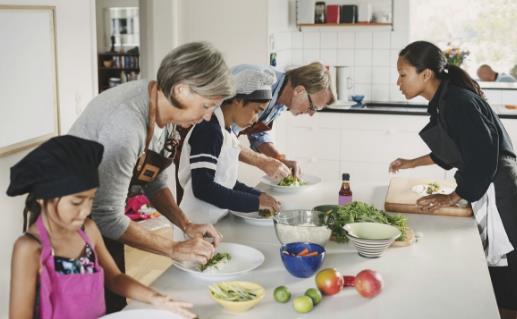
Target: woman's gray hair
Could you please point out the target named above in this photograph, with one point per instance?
(198, 65)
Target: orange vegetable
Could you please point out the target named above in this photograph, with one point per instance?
(312, 253)
(304, 252)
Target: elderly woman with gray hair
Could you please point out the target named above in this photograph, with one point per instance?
(136, 123)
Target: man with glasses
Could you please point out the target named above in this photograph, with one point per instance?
(303, 90)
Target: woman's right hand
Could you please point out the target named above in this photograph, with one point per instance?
(196, 249)
(400, 163)
(267, 201)
(181, 308)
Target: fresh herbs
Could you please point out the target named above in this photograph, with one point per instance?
(432, 188)
(291, 180)
(215, 261)
(229, 292)
(355, 212)
(266, 213)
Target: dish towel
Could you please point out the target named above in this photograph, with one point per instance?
(494, 238)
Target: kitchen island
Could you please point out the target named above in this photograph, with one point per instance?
(442, 275)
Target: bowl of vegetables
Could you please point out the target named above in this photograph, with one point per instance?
(237, 296)
(291, 184)
(301, 225)
(302, 260)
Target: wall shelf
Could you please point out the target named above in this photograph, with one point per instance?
(343, 25)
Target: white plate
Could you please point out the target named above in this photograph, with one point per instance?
(254, 218)
(243, 259)
(142, 313)
(309, 180)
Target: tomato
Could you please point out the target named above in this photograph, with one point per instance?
(329, 281)
(368, 283)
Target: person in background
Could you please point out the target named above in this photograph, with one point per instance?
(486, 73)
(303, 90)
(136, 123)
(60, 265)
(208, 168)
(465, 133)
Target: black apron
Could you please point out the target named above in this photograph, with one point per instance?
(504, 279)
(148, 166)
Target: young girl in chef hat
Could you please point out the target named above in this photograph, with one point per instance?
(60, 264)
(209, 160)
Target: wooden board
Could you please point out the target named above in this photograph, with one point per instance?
(400, 197)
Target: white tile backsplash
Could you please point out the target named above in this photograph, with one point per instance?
(381, 75)
(297, 40)
(381, 40)
(345, 57)
(370, 52)
(380, 92)
(329, 40)
(363, 57)
(363, 75)
(297, 56)
(363, 40)
(328, 56)
(381, 57)
(311, 40)
(311, 55)
(346, 40)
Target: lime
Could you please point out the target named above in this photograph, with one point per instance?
(282, 294)
(302, 304)
(314, 294)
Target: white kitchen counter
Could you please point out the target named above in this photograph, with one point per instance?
(443, 275)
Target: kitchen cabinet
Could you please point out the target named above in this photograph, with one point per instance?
(363, 145)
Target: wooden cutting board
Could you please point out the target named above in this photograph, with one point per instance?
(401, 198)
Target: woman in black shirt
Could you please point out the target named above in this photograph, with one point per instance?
(465, 133)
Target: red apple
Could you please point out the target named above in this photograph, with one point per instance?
(368, 283)
(329, 281)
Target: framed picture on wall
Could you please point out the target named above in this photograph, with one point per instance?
(28, 77)
(123, 24)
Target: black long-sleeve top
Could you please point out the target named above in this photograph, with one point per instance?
(477, 132)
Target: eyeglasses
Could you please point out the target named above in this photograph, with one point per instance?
(312, 107)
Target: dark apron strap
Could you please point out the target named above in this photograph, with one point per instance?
(115, 302)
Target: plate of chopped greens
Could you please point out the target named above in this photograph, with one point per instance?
(264, 217)
(290, 183)
(229, 261)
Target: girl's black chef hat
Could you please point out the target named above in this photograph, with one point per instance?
(61, 166)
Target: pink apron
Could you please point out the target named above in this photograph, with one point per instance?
(78, 296)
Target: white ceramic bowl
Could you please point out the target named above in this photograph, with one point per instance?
(371, 239)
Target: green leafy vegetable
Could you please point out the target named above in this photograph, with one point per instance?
(432, 188)
(216, 261)
(291, 180)
(356, 212)
(229, 292)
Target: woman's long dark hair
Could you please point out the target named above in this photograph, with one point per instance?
(425, 55)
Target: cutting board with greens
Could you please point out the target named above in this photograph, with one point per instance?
(403, 194)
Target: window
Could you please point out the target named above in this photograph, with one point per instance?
(485, 28)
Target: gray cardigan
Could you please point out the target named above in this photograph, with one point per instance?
(117, 119)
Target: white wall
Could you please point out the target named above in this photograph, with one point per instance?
(238, 28)
(77, 83)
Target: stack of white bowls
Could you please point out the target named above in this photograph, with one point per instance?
(371, 239)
